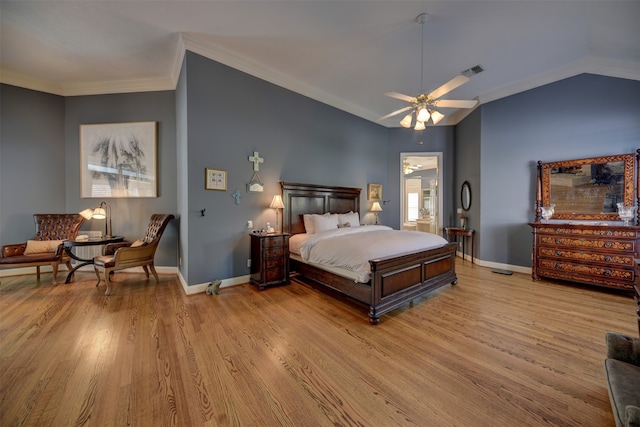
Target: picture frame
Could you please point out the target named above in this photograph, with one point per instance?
(215, 179)
(374, 192)
(119, 160)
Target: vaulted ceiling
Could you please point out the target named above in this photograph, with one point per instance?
(341, 52)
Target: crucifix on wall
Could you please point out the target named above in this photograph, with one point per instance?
(255, 185)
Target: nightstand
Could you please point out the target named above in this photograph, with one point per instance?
(269, 260)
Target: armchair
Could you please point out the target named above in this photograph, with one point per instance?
(622, 371)
(141, 253)
(45, 248)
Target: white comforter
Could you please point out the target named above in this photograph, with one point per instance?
(352, 248)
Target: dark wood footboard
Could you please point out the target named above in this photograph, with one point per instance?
(399, 279)
(394, 280)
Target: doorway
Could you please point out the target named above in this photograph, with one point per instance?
(420, 181)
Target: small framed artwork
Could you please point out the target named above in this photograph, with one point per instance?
(215, 179)
(118, 160)
(375, 192)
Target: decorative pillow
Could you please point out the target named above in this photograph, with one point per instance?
(346, 224)
(138, 243)
(41, 246)
(352, 217)
(325, 222)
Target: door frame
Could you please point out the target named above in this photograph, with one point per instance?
(439, 155)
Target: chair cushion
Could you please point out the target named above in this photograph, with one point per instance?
(40, 246)
(106, 261)
(44, 257)
(622, 380)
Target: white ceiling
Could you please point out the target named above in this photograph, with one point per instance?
(340, 52)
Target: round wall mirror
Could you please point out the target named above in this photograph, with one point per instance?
(465, 196)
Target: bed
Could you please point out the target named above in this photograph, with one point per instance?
(394, 280)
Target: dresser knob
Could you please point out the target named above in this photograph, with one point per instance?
(558, 265)
(558, 240)
(607, 272)
(607, 244)
(558, 253)
(609, 233)
(607, 258)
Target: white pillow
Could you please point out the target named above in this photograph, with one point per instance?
(325, 222)
(352, 217)
(308, 223)
(41, 246)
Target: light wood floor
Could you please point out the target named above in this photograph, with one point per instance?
(493, 350)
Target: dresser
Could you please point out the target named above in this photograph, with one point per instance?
(603, 255)
(269, 260)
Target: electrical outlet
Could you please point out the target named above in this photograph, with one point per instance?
(249, 224)
(249, 263)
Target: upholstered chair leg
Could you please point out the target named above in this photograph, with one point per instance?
(146, 271)
(38, 272)
(107, 274)
(153, 270)
(97, 274)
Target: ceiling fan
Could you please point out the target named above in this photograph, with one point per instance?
(424, 105)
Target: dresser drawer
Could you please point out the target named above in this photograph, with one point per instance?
(596, 244)
(274, 274)
(605, 257)
(587, 269)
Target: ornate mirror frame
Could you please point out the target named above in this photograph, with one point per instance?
(465, 196)
(544, 194)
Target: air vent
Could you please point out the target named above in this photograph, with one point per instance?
(472, 71)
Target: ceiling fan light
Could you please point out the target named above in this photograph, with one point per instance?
(406, 122)
(423, 114)
(419, 126)
(436, 116)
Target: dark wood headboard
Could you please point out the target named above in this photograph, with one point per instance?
(300, 199)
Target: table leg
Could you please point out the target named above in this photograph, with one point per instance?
(73, 270)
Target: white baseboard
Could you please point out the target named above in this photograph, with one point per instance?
(202, 287)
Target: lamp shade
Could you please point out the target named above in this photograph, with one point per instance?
(277, 203)
(436, 116)
(87, 214)
(406, 122)
(419, 126)
(423, 114)
(99, 213)
(376, 207)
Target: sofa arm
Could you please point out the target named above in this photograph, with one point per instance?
(13, 250)
(623, 348)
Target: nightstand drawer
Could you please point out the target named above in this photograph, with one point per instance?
(269, 260)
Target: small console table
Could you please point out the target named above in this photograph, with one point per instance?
(464, 233)
(68, 245)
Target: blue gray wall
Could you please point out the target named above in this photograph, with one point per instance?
(583, 116)
(218, 116)
(32, 160)
(232, 114)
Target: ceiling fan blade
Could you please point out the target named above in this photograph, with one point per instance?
(402, 110)
(401, 96)
(455, 103)
(449, 86)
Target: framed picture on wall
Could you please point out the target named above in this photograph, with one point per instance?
(374, 192)
(118, 160)
(215, 179)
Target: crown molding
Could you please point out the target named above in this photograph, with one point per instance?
(591, 65)
(20, 80)
(218, 54)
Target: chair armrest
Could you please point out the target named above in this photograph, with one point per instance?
(132, 254)
(111, 248)
(623, 348)
(13, 250)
